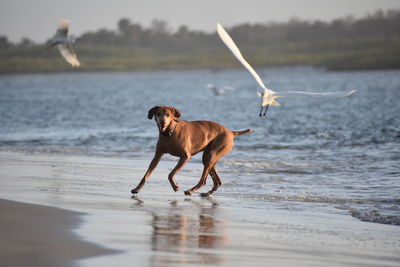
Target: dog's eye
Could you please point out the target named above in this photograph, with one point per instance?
(158, 114)
(167, 115)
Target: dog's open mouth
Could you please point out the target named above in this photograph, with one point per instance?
(162, 128)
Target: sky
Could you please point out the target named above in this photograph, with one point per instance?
(38, 19)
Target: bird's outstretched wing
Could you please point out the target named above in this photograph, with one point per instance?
(236, 52)
(62, 29)
(229, 88)
(68, 53)
(324, 94)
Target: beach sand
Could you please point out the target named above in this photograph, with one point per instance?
(159, 227)
(35, 235)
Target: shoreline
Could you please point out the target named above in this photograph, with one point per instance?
(209, 69)
(159, 227)
(37, 235)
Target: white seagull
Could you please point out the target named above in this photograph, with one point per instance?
(63, 43)
(268, 96)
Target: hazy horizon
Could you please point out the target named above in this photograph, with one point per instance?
(37, 20)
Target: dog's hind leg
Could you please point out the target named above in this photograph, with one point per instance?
(216, 180)
(208, 161)
(215, 150)
(201, 183)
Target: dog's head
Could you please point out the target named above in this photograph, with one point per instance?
(164, 116)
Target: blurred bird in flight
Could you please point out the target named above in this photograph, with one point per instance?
(220, 91)
(64, 43)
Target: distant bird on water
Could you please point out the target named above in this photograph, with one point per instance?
(63, 43)
(268, 96)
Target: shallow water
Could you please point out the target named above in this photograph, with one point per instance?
(324, 155)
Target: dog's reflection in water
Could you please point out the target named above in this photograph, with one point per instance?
(188, 233)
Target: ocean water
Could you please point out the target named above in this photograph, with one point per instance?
(320, 154)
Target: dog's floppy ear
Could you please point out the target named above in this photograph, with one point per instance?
(176, 112)
(152, 111)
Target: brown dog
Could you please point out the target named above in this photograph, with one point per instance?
(186, 138)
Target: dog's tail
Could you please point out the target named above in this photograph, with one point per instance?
(242, 132)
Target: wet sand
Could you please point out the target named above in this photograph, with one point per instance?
(35, 235)
(159, 227)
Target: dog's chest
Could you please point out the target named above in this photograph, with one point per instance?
(172, 145)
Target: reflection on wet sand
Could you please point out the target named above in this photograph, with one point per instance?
(188, 232)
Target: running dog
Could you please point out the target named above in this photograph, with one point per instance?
(184, 139)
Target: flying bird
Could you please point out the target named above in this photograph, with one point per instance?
(64, 43)
(219, 91)
(268, 96)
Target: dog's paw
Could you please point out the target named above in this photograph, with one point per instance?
(188, 192)
(175, 187)
(134, 191)
(206, 195)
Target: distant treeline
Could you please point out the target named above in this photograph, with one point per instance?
(372, 42)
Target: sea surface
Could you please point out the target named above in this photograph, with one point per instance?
(328, 155)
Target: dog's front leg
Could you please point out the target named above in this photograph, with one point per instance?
(152, 166)
(182, 161)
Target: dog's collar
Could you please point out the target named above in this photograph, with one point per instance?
(170, 132)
